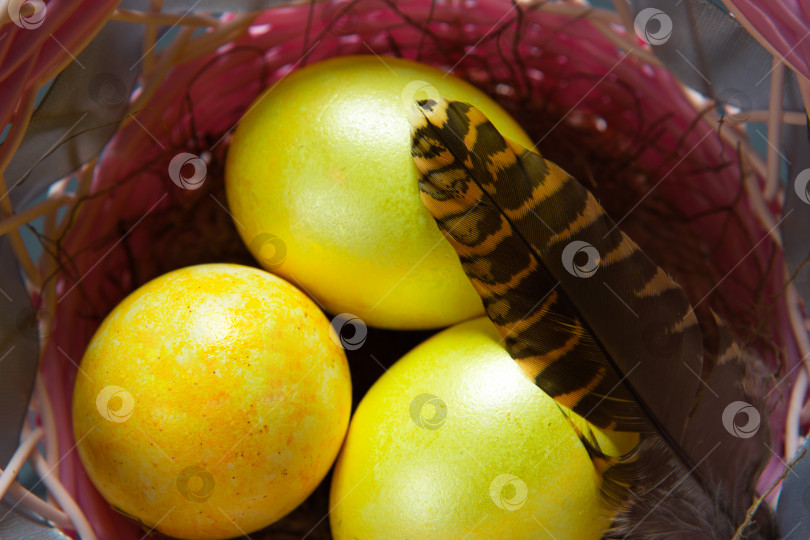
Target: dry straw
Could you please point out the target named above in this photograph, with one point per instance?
(678, 172)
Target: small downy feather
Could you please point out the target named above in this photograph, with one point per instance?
(599, 327)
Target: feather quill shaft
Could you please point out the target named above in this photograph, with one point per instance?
(594, 322)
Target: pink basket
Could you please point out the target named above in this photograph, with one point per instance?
(683, 182)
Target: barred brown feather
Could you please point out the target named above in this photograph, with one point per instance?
(592, 320)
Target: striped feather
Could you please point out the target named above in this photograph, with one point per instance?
(586, 314)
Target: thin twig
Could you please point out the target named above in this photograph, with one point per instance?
(799, 391)
(160, 18)
(795, 118)
(150, 35)
(752, 510)
(58, 491)
(20, 456)
(775, 129)
(14, 221)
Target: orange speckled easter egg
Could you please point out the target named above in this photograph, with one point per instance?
(211, 401)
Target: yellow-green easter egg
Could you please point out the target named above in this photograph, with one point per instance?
(454, 441)
(323, 188)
